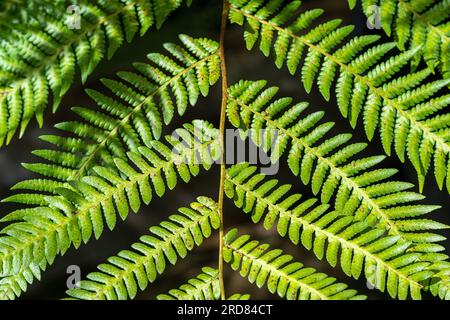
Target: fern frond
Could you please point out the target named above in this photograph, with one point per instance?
(132, 270)
(133, 117)
(129, 121)
(203, 287)
(406, 110)
(273, 268)
(81, 210)
(13, 286)
(20, 13)
(387, 261)
(330, 165)
(42, 60)
(415, 23)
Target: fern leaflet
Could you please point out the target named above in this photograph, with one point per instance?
(131, 119)
(203, 287)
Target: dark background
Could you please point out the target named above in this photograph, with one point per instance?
(201, 20)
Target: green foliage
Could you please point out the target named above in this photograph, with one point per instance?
(416, 23)
(42, 59)
(441, 287)
(404, 109)
(133, 117)
(130, 270)
(128, 122)
(388, 262)
(13, 286)
(238, 296)
(290, 280)
(203, 287)
(117, 157)
(81, 209)
(330, 165)
(19, 13)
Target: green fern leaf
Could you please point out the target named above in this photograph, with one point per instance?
(42, 60)
(203, 287)
(290, 280)
(388, 262)
(359, 189)
(132, 270)
(239, 296)
(406, 110)
(413, 24)
(81, 210)
(13, 286)
(18, 14)
(126, 123)
(440, 285)
(130, 119)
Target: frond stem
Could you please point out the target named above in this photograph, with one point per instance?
(223, 27)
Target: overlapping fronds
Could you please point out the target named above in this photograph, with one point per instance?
(41, 60)
(387, 261)
(83, 207)
(415, 23)
(330, 164)
(20, 13)
(406, 110)
(132, 270)
(273, 268)
(131, 118)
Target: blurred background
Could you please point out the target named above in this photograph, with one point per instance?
(202, 19)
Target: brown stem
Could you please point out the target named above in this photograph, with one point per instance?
(223, 27)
